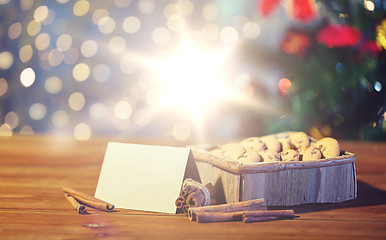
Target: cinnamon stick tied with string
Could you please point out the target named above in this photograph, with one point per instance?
(184, 194)
(88, 199)
(250, 205)
(78, 207)
(195, 199)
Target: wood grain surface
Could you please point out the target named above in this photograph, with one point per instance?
(32, 205)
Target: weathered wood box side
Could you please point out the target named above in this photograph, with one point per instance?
(281, 183)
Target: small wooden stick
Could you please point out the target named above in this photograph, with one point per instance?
(251, 205)
(195, 199)
(88, 199)
(205, 217)
(258, 219)
(80, 208)
(270, 213)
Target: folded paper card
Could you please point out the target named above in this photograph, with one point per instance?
(144, 177)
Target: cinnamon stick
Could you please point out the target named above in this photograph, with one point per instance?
(187, 190)
(180, 201)
(269, 213)
(258, 219)
(246, 216)
(195, 199)
(185, 208)
(78, 207)
(88, 199)
(205, 217)
(251, 205)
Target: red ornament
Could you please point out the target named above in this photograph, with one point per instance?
(299, 10)
(267, 6)
(370, 47)
(302, 10)
(339, 35)
(296, 43)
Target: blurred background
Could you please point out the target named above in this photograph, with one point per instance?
(193, 70)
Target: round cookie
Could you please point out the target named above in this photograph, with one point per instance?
(269, 156)
(311, 153)
(231, 150)
(299, 140)
(272, 143)
(254, 143)
(250, 156)
(285, 144)
(290, 155)
(329, 147)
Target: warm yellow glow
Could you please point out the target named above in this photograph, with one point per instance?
(37, 111)
(64, 42)
(27, 77)
(192, 80)
(89, 48)
(60, 119)
(5, 130)
(81, 72)
(369, 5)
(82, 132)
(41, 13)
(76, 101)
(81, 8)
(131, 24)
(3, 86)
(14, 30)
(42, 41)
(53, 85)
(25, 53)
(6, 60)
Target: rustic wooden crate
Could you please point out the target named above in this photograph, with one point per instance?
(329, 180)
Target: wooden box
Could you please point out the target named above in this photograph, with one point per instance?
(329, 180)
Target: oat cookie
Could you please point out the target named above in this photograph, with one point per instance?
(269, 156)
(231, 150)
(272, 143)
(329, 147)
(299, 140)
(311, 153)
(290, 155)
(250, 156)
(285, 144)
(254, 143)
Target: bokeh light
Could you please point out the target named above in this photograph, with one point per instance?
(76, 101)
(53, 85)
(37, 111)
(27, 77)
(6, 60)
(82, 132)
(174, 68)
(3, 86)
(285, 85)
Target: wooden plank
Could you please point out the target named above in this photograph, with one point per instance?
(32, 205)
(226, 185)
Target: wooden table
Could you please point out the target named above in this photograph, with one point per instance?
(32, 205)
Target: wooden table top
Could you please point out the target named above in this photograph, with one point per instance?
(32, 205)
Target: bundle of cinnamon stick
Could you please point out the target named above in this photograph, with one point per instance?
(191, 195)
(80, 200)
(246, 211)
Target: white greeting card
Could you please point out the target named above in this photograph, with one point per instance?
(144, 177)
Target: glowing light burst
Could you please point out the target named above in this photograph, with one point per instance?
(193, 79)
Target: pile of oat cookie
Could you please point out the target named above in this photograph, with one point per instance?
(289, 146)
